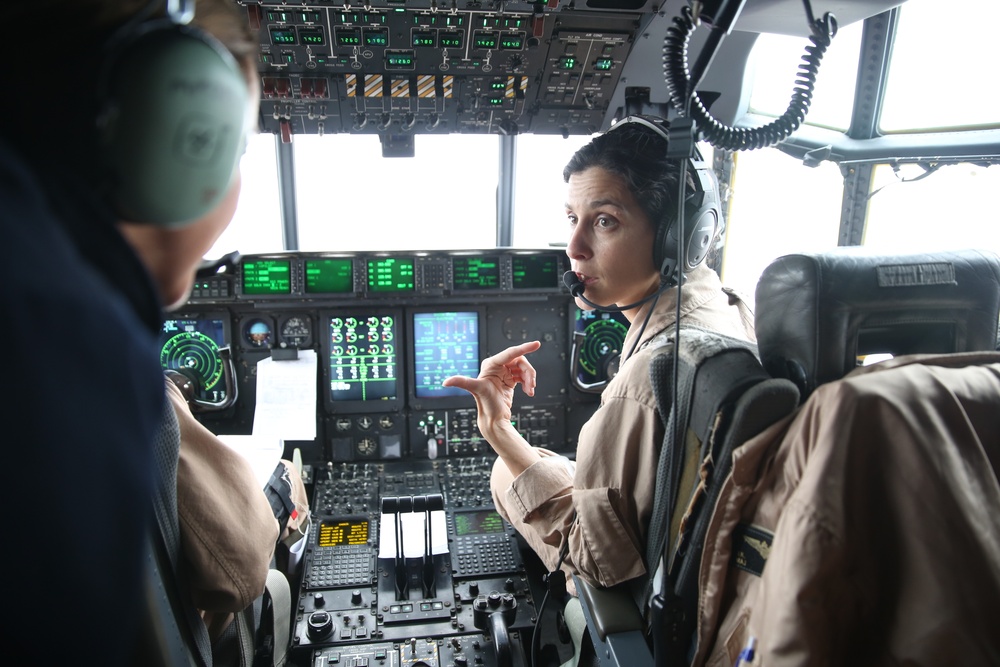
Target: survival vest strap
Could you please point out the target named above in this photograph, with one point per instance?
(724, 397)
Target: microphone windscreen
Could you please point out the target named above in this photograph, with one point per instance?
(573, 283)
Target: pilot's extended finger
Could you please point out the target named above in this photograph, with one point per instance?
(462, 382)
(511, 353)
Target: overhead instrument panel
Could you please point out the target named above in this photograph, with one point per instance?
(404, 67)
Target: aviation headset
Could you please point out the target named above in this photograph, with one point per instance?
(174, 117)
(702, 210)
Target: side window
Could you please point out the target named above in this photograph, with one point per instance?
(948, 209)
(777, 207)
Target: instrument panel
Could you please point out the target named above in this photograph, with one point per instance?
(388, 328)
(392, 443)
(398, 68)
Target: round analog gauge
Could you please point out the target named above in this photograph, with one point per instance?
(258, 332)
(295, 331)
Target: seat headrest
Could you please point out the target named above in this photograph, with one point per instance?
(818, 314)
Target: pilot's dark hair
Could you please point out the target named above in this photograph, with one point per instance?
(639, 156)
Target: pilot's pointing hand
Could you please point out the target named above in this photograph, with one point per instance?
(494, 388)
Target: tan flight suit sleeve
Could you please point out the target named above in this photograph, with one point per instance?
(599, 508)
(228, 531)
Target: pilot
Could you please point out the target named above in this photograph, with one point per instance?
(88, 402)
(590, 517)
(231, 530)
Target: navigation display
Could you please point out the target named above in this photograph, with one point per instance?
(191, 347)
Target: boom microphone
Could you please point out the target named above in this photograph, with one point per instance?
(576, 287)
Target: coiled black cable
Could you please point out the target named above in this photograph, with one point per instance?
(678, 79)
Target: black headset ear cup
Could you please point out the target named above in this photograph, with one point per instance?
(174, 124)
(702, 221)
(702, 211)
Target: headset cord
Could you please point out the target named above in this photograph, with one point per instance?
(555, 583)
(678, 80)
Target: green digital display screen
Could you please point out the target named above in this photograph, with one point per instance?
(348, 37)
(534, 271)
(330, 276)
(283, 36)
(603, 63)
(424, 38)
(451, 40)
(484, 40)
(471, 273)
(512, 41)
(566, 62)
(390, 274)
(312, 36)
(376, 37)
(477, 523)
(267, 276)
(399, 60)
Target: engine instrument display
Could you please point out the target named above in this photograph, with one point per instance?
(363, 358)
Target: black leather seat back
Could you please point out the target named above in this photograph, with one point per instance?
(818, 315)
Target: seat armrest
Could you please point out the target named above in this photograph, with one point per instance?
(613, 610)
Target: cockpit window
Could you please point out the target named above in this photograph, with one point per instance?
(539, 189)
(774, 63)
(917, 208)
(256, 227)
(938, 74)
(351, 198)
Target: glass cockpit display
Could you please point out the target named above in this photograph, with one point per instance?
(363, 359)
(598, 338)
(191, 347)
(445, 343)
